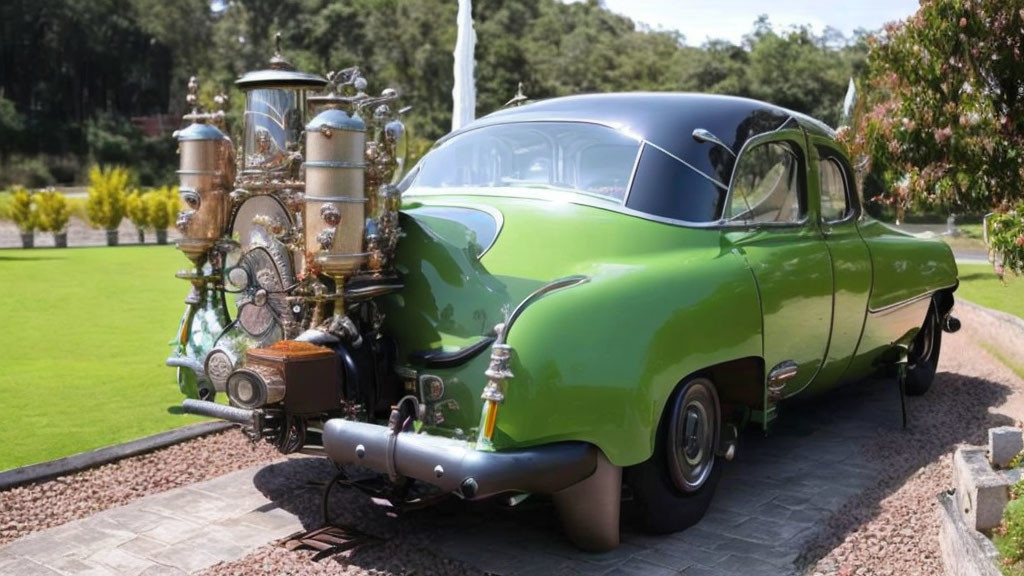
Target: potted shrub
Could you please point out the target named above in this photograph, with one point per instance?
(53, 212)
(138, 213)
(162, 205)
(106, 204)
(23, 213)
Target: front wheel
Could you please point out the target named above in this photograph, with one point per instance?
(673, 488)
(923, 356)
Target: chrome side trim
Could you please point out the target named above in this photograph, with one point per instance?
(579, 200)
(908, 301)
(554, 286)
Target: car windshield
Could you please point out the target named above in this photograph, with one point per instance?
(564, 156)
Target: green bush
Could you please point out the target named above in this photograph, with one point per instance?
(23, 171)
(77, 208)
(137, 210)
(65, 169)
(108, 187)
(1007, 237)
(162, 205)
(1009, 537)
(114, 140)
(22, 210)
(52, 209)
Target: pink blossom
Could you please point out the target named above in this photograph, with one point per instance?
(963, 22)
(1019, 241)
(943, 134)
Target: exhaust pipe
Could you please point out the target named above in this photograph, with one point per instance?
(950, 324)
(213, 410)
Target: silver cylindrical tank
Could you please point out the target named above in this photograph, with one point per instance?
(204, 182)
(335, 209)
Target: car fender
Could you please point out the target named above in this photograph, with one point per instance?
(598, 361)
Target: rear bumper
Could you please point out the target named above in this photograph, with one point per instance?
(455, 466)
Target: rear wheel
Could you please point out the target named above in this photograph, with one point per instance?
(923, 356)
(673, 489)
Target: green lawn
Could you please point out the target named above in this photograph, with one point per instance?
(82, 348)
(979, 284)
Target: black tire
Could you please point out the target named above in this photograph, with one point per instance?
(670, 493)
(923, 356)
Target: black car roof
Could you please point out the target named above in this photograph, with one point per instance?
(665, 119)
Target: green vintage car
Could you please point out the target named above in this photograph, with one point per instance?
(603, 289)
(589, 292)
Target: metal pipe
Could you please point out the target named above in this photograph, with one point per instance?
(212, 410)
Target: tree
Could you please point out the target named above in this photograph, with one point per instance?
(945, 125)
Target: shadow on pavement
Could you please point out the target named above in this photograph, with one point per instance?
(785, 500)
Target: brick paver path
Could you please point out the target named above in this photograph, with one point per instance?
(172, 533)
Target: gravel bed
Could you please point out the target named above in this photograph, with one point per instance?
(43, 505)
(893, 529)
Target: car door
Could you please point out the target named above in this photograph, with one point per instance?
(770, 222)
(838, 213)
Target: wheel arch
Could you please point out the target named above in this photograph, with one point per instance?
(739, 387)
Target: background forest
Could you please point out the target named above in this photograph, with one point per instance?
(104, 81)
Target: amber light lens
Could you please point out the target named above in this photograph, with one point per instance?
(492, 416)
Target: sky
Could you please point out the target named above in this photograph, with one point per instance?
(731, 19)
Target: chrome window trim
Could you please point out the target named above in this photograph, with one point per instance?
(777, 135)
(766, 136)
(584, 201)
(687, 164)
(632, 174)
(832, 154)
(620, 207)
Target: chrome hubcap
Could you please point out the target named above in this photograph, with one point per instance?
(694, 428)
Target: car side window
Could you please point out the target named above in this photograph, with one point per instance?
(766, 186)
(835, 194)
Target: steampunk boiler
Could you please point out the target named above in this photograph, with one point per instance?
(299, 226)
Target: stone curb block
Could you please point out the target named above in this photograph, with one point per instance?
(981, 493)
(100, 456)
(965, 552)
(1004, 444)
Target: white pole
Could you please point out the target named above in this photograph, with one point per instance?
(464, 92)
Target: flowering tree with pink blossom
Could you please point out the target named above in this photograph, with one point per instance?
(943, 122)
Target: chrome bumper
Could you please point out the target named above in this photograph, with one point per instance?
(455, 466)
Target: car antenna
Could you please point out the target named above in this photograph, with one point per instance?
(702, 135)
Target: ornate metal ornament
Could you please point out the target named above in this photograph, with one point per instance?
(302, 230)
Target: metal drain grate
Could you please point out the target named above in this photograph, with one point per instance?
(328, 541)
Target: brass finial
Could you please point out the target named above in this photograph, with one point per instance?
(193, 94)
(278, 62)
(518, 99)
(221, 100)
